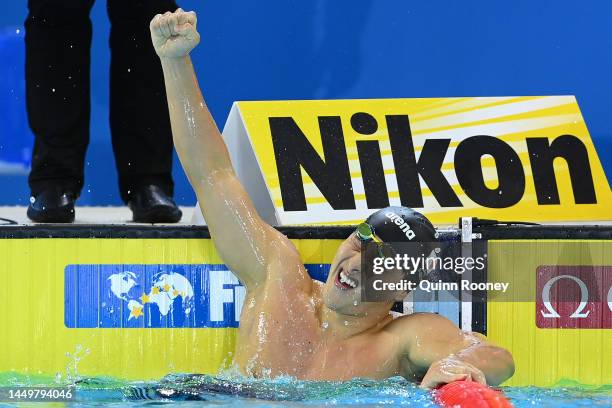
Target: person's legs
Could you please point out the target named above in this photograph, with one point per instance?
(140, 123)
(58, 39)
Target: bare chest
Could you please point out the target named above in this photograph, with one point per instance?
(278, 338)
(364, 357)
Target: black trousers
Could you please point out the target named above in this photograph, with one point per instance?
(58, 41)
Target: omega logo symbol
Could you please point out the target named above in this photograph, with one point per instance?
(584, 298)
(580, 312)
(574, 297)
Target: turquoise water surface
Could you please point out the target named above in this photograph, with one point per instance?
(199, 390)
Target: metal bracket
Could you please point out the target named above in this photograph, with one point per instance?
(466, 224)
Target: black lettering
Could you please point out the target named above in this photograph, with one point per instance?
(370, 161)
(407, 169)
(542, 156)
(429, 167)
(364, 123)
(293, 150)
(510, 175)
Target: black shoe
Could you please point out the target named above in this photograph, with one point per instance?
(53, 205)
(150, 204)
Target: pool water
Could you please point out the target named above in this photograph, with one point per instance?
(232, 391)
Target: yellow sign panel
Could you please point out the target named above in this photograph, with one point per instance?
(506, 158)
(36, 339)
(547, 356)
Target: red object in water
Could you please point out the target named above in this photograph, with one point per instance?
(469, 394)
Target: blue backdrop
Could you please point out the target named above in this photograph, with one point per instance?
(310, 49)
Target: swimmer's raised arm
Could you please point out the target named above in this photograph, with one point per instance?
(244, 241)
(441, 353)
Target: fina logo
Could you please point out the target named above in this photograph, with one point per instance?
(403, 225)
(152, 296)
(220, 294)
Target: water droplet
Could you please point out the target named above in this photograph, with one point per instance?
(324, 325)
(17, 31)
(52, 89)
(346, 323)
(355, 303)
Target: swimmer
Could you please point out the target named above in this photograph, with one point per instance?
(290, 324)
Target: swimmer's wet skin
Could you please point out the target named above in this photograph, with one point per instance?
(290, 324)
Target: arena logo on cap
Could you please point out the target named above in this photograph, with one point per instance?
(403, 225)
(527, 158)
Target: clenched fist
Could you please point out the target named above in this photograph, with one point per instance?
(175, 34)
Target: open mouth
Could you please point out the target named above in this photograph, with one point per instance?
(344, 282)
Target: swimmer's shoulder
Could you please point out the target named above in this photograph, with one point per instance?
(414, 324)
(429, 321)
(285, 267)
(421, 337)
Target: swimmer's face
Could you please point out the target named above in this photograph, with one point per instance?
(342, 291)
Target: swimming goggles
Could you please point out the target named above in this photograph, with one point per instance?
(365, 233)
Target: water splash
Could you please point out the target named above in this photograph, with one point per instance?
(72, 372)
(232, 389)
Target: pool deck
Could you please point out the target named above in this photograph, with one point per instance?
(123, 216)
(91, 215)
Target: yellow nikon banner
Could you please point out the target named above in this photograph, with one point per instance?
(334, 162)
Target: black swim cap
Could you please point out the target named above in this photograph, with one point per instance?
(401, 224)
(407, 232)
